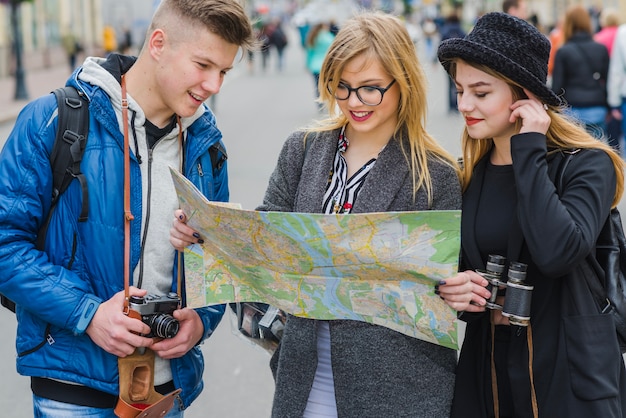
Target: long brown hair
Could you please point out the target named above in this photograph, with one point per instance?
(576, 19)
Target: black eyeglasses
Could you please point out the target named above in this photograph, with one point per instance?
(368, 95)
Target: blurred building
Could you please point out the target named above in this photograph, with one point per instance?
(44, 22)
(546, 11)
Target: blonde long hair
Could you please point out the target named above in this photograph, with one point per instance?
(564, 133)
(384, 38)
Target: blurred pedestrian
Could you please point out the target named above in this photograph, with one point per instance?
(542, 350)
(109, 40)
(72, 48)
(278, 40)
(581, 67)
(318, 41)
(333, 27)
(127, 42)
(257, 28)
(264, 39)
(517, 8)
(609, 23)
(556, 40)
(429, 29)
(616, 83)
(303, 30)
(452, 29)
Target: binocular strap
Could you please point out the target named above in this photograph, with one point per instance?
(494, 381)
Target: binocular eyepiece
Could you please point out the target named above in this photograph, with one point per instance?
(518, 294)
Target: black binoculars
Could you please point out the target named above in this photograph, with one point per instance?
(518, 294)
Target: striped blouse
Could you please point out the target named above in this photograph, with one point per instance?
(340, 195)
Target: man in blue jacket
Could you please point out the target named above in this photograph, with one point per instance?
(70, 297)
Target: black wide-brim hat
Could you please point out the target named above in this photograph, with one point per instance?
(509, 46)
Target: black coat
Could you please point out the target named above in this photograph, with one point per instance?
(575, 63)
(577, 368)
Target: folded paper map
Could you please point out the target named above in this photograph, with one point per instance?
(379, 268)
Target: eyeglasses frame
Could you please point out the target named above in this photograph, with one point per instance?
(382, 91)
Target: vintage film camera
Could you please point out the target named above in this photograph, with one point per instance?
(518, 294)
(260, 321)
(156, 311)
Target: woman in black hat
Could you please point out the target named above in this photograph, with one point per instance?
(531, 352)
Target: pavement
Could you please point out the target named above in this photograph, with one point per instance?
(37, 82)
(256, 113)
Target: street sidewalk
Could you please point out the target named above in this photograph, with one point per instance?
(38, 83)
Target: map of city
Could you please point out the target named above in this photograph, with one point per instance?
(379, 268)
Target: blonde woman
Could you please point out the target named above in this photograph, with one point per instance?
(380, 158)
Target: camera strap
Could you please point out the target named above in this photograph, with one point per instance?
(128, 216)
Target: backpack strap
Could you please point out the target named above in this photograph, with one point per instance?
(605, 239)
(218, 157)
(67, 152)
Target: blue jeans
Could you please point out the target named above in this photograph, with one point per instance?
(594, 119)
(623, 108)
(46, 408)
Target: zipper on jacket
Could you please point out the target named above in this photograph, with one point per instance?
(47, 339)
(200, 171)
(47, 336)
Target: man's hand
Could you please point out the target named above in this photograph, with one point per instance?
(189, 334)
(115, 332)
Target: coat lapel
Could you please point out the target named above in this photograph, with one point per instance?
(318, 163)
(471, 198)
(383, 181)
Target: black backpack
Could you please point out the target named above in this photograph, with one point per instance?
(67, 154)
(609, 291)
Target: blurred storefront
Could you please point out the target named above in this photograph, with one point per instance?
(547, 11)
(44, 22)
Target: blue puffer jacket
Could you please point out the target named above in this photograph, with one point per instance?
(58, 291)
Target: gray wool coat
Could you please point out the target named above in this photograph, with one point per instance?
(377, 372)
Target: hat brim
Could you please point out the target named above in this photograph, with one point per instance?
(471, 51)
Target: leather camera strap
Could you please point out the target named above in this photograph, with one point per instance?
(128, 216)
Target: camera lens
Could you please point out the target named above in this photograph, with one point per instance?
(163, 325)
